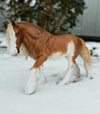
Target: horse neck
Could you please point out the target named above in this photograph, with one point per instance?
(29, 42)
(32, 44)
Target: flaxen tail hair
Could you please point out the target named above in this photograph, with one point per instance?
(85, 54)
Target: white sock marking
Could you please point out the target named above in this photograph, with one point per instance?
(32, 83)
(42, 79)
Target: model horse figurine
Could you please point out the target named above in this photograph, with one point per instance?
(42, 45)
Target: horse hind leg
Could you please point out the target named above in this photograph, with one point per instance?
(68, 77)
(71, 59)
(75, 73)
(76, 70)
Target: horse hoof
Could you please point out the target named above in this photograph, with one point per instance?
(91, 78)
(29, 92)
(41, 82)
(63, 83)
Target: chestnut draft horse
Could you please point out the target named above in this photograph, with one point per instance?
(42, 45)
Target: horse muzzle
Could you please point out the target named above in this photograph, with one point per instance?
(13, 51)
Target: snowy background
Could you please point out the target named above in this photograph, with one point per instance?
(82, 97)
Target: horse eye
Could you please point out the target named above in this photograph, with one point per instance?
(16, 34)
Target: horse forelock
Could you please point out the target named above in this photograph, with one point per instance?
(11, 40)
(10, 34)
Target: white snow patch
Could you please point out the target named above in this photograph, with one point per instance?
(7, 1)
(56, 6)
(33, 3)
(90, 45)
(3, 40)
(82, 97)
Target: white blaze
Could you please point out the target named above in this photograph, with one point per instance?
(11, 40)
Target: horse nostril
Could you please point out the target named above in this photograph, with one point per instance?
(18, 50)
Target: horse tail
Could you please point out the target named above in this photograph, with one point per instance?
(85, 54)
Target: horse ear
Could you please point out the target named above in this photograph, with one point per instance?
(5, 24)
(13, 23)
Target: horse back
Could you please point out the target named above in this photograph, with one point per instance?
(63, 42)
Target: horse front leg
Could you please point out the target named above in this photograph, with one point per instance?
(32, 82)
(42, 79)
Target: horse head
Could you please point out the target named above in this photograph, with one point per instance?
(14, 38)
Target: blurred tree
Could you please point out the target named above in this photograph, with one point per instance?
(55, 16)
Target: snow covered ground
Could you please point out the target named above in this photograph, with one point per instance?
(3, 40)
(82, 97)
